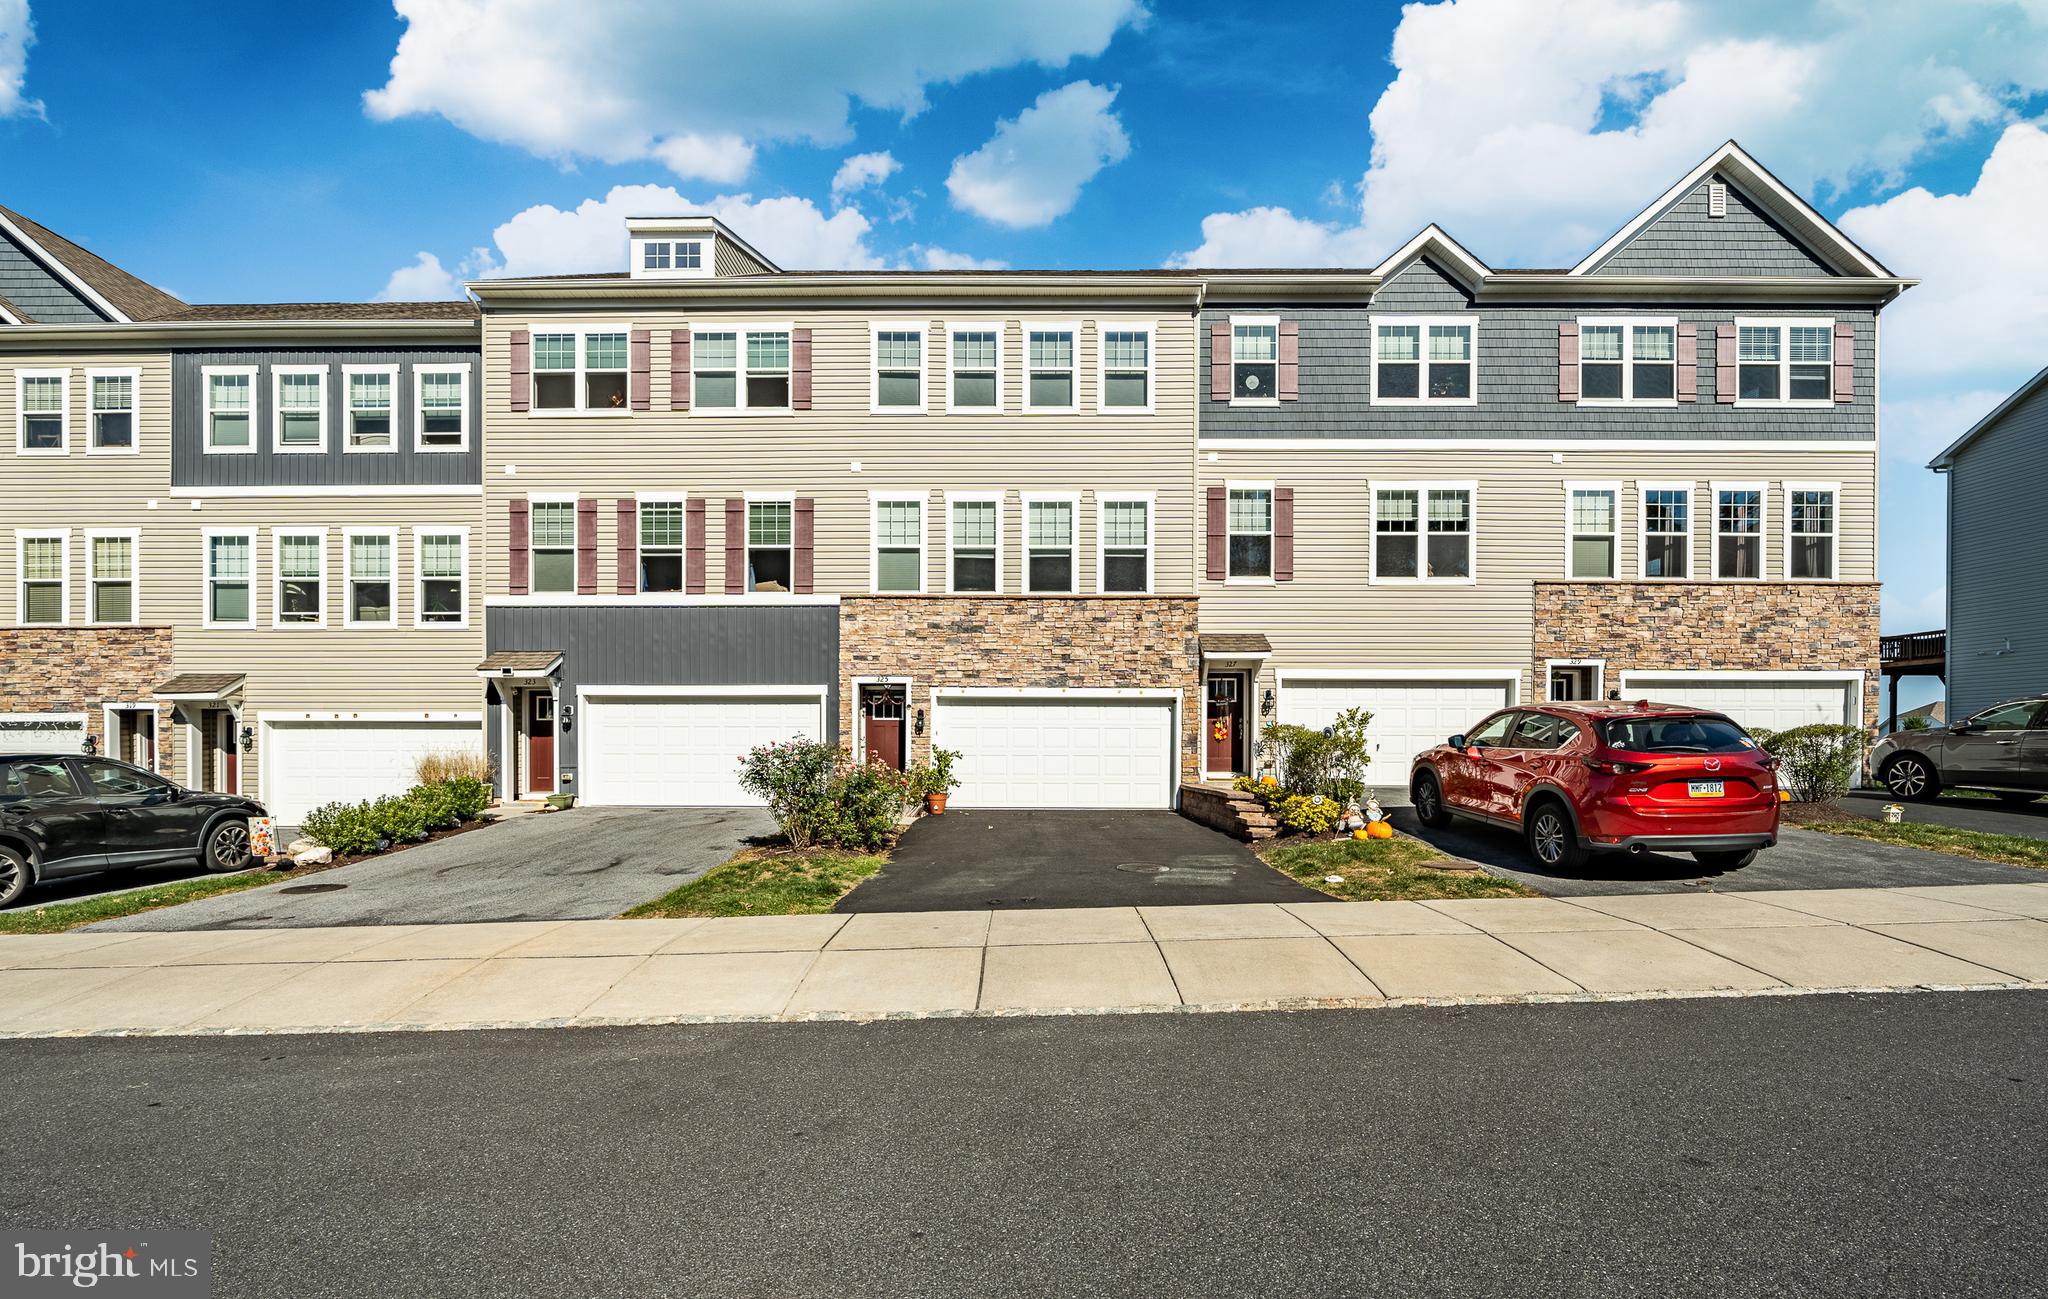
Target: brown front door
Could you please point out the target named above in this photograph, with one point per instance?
(882, 709)
(540, 741)
(1225, 726)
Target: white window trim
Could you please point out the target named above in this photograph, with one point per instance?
(1763, 528)
(1254, 402)
(550, 498)
(206, 412)
(876, 328)
(1692, 525)
(207, 537)
(1628, 351)
(420, 370)
(1272, 530)
(579, 410)
(973, 327)
(133, 536)
(707, 259)
(747, 547)
(1151, 504)
(641, 500)
(875, 502)
(739, 372)
(1070, 327)
(348, 578)
(22, 537)
(1599, 667)
(1073, 502)
(1373, 324)
(347, 410)
(277, 540)
(420, 533)
(1571, 529)
(1784, 325)
(1422, 488)
(277, 376)
(1150, 329)
(994, 498)
(134, 376)
(1835, 533)
(21, 378)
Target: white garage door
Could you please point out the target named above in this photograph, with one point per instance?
(1068, 752)
(665, 751)
(1407, 716)
(1759, 705)
(41, 733)
(308, 764)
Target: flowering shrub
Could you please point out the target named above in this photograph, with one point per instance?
(1308, 813)
(819, 796)
(1330, 760)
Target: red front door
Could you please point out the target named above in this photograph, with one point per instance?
(882, 709)
(1225, 721)
(230, 756)
(540, 742)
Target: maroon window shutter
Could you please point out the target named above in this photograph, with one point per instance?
(1283, 534)
(735, 546)
(1219, 362)
(1568, 360)
(586, 547)
(1845, 360)
(806, 545)
(517, 550)
(522, 369)
(629, 546)
(693, 547)
(1724, 363)
(679, 370)
(639, 384)
(1688, 363)
(1219, 536)
(1290, 360)
(800, 369)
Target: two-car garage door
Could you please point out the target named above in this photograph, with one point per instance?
(1408, 716)
(1769, 703)
(659, 750)
(1063, 751)
(307, 764)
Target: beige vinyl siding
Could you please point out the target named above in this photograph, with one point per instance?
(812, 453)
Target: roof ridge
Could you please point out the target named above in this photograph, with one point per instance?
(131, 295)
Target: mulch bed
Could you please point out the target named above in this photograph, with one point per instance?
(283, 863)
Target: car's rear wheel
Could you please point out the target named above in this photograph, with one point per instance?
(15, 876)
(1911, 776)
(1547, 829)
(1429, 801)
(227, 846)
(1725, 861)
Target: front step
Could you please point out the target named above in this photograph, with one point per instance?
(1232, 811)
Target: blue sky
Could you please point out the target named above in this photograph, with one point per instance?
(280, 152)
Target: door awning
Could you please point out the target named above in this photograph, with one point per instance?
(507, 665)
(1235, 645)
(201, 687)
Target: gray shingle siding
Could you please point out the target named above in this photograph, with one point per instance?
(1517, 380)
(1686, 241)
(192, 467)
(24, 282)
(1997, 618)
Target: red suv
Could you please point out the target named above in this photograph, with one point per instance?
(1607, 777)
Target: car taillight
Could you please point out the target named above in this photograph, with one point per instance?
(1614, 768)
(1768, 761)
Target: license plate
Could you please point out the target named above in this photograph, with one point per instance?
(1705, 789)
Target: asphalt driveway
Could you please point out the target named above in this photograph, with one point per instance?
(1983, 814)
(970, 861)
(583, 864)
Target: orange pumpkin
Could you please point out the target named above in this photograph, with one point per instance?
(1379, 830)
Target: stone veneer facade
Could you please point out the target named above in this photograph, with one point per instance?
(1711, 626)
(945, 642)
(79, 669)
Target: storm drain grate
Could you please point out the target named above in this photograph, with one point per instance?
(1143, 867)
(312, 888)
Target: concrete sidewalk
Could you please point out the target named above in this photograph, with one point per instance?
(1252, 956)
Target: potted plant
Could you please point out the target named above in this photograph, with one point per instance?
(933, 781)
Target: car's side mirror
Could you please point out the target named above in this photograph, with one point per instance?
(1963, 728)
(1457, 741)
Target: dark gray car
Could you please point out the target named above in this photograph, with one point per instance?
(2003, 749)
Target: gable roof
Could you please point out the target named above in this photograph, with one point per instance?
(1793, 212)
(1942, 462)
(1433, 238)
(106, 286)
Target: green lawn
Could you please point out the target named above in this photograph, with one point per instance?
(2015, 850)
(766, 882)
(1383, 870)
(60, 916)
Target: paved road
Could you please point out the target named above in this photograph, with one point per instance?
(1988, 815)
(583, 864)
(1879, 1145)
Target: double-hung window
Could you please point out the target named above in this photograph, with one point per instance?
(739, 369)
(443, 415)
(1811, 531)
(1738, 531)
(372, 579)
(112, 392)
(301, 562)
(899, 366)
(298, 403)
(580, 370)
(372, 404)
(662, 525)
(771, 536)
(1049, 540)
(1628, 360)
(1422, 532)
(1667, 530)
(1124, 532)
(974, 540)
(1785, 361)
(1423, 360)
(1126, 379)
(43, 590)
(898, 543)
(1592, 529)
(1049, 368)
(974, 369)
(230, 409)
(1254, 361)
(1249, 525)
(230, 576)
(441, 562)
(110, 589)
(42, 401)
(552, 545)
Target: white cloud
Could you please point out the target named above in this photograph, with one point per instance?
(1033, 168)
(700, 87)
(17, 33)
(860, 171)
(425, 280)
(945, 259)
(1273, 236)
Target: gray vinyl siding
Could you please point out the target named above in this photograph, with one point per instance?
(674, 645)
(192, 466)
(1686, 241)
(46, 299)
(1997, 620)
(1516, 348)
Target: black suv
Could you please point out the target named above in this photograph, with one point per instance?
(64, 814)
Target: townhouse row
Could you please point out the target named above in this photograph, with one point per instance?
(1093, 530)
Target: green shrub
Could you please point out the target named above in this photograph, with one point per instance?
(1816, 763)
(863, 805)
(1308, 813)
(819, 796)
(1917, 722)
(1330, 761)
(470, 795)
(399, 818)
(342, 827)
(437, 805)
